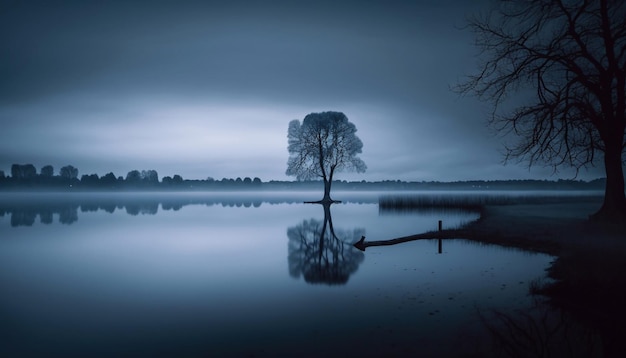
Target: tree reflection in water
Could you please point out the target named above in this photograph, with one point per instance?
(24, 209)
(322, 254)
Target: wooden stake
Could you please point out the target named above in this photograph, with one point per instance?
(439, 241)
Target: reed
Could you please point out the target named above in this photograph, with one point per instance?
(473, 201)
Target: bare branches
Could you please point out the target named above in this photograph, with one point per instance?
(324, 143)
(555, 73)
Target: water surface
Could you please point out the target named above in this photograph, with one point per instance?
(201, 274)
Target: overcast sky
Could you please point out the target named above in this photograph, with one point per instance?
(208, 88)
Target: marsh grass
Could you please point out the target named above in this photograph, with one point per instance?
(589, 284)
(536, 286)
(540, 331)
(474, 201)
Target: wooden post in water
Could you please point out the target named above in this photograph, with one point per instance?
(439, 242)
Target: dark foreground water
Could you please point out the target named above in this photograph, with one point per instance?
(244, 275)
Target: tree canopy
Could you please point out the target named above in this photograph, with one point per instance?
(324, 143)
(555, 72)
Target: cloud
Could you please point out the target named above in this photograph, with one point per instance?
(202, 88)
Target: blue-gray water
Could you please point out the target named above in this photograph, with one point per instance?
(200, 274)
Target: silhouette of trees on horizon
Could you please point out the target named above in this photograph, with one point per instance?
(47, 181)
(25, 176)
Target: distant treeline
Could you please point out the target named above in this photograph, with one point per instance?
(24, 177)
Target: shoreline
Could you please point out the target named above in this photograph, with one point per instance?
(553, 228)
(550, 228)
(589, 271)
(588, 274)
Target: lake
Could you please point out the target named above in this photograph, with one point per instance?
(240, 275)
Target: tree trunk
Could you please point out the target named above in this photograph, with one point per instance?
(327, 198)
(614, 206)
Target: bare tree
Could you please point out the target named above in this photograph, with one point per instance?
(561, 65)
(323, 144)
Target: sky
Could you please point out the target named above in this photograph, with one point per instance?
(208, 88)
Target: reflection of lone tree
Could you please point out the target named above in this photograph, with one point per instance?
(322, 254)
(571, 57)
(324, 143)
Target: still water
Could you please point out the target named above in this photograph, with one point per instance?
(201, 274)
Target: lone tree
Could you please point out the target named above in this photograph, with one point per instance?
(323, 144)
(561, 65)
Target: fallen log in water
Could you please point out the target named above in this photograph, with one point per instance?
(476, 231)
(443, 234)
